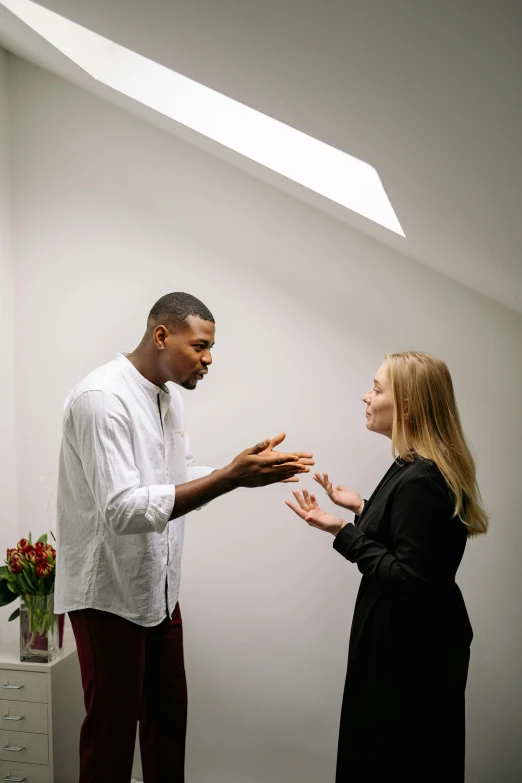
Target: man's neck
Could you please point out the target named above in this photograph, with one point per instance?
(145, 365)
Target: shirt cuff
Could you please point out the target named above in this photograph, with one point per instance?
(198, 471)
(346, 538)
(161, 503)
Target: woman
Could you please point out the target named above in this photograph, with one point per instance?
(403, 708)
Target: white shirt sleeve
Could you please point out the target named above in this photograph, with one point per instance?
(194, 471)
(99, 428)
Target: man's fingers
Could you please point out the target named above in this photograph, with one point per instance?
(259, 447)
(277, 458)
(282, 472)
(277, 440)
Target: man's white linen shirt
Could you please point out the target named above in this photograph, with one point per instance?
(120, 463)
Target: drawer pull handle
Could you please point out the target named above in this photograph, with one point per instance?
(9, 779)
(13, 717)
(12, 748)
(12, 687)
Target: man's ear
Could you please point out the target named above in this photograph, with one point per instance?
(160, 335)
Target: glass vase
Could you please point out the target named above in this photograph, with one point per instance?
(38, 628)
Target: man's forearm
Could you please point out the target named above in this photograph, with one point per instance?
(194, 494)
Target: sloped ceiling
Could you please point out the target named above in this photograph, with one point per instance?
(427, 91)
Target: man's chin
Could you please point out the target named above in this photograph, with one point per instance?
(189, 385)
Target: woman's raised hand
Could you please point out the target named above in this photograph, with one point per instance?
(307, 508)
(339, 495)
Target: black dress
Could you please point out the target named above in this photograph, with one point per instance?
(403, 708)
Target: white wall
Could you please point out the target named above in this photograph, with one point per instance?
(109, 214)
(8, 519)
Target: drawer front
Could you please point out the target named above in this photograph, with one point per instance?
(28, 773)
(23, 686)
(19, 747)
(23, 716)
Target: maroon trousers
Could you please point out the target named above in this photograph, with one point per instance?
(131, 674)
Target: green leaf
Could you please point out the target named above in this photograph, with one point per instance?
(30, 577)
(23, 583)
(15, 615)
(3, 572)
(6, 594)
(43, 539)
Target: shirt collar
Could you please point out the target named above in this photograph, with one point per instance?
(146, 385)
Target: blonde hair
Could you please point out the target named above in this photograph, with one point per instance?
(426, 424)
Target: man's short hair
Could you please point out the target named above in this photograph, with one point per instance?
(175, 308)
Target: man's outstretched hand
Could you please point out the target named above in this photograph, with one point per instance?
(262, 464)
(304, 457)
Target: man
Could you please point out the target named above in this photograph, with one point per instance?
(126, 481)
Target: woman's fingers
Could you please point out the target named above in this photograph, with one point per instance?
(299, 511)
(300, 500)
(323, 480)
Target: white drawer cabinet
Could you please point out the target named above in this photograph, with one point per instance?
(24, 716)
(24, 747)
(41, 712)
(22, 685)
(15, 772)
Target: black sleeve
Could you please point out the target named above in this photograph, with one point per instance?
(421, 521)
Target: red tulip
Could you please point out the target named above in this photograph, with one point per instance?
(24, 545)
(43, 570)
(15, 567)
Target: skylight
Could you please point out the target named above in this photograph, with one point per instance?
(328, 171)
